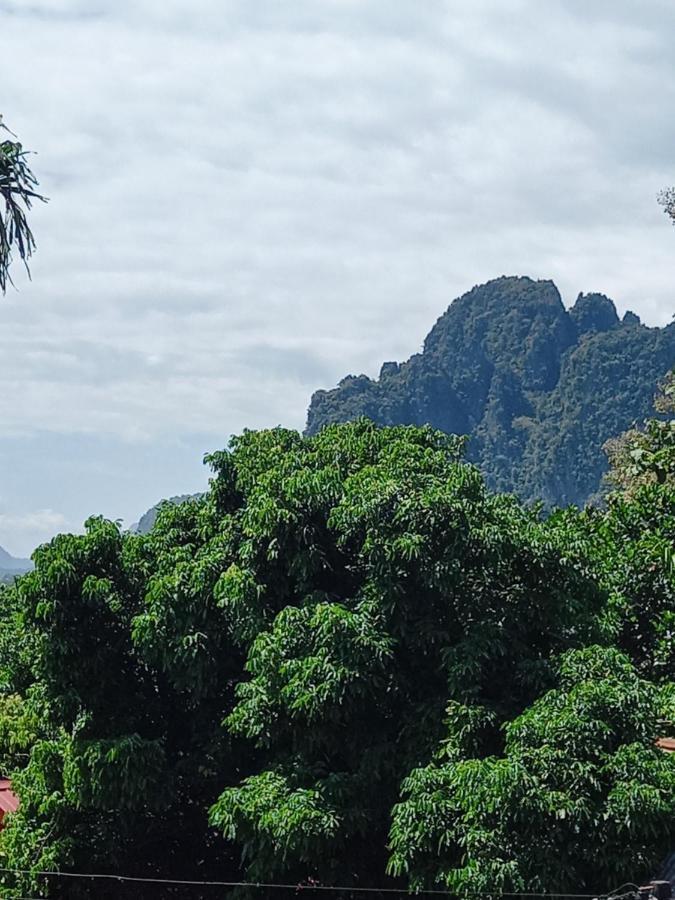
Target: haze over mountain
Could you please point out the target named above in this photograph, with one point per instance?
(10, 566)
(147, 520)
(538, 388)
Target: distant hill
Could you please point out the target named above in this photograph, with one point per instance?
(538, 388)
(11, 566)
(148, 519)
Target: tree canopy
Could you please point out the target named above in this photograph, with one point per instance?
(347, 663)
(645, 455)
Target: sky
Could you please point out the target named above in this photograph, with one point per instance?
(250, 199)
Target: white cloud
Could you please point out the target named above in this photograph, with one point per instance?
(249, 200)
(20, 533)
(45, 519)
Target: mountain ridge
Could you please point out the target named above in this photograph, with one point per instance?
(537, 387)
(147, 521)
(11, 566)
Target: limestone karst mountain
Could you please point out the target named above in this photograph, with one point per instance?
(538, 388)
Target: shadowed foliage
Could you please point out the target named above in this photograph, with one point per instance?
(347, 663)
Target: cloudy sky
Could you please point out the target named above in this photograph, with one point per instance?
(251, 198)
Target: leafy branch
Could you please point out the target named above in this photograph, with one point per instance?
(666, 199)
(17, 193)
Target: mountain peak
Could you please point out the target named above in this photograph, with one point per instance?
(593, 313)
(12, 565)
(508, 365)
(630, 318)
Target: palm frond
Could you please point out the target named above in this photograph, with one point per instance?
(17, 193)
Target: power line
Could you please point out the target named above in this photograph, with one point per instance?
(261, 885)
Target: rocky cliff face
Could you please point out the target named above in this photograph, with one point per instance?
(539, 389)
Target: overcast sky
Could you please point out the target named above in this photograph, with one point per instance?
(252, 198)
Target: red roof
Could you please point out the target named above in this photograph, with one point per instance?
(9, 802)
(667, 744)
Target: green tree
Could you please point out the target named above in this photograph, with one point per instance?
(403, 586)
(633, 541)
(17, 193)
(115, 762)
(581, 797)
(304, 673)
(633, 545)
(646, 455)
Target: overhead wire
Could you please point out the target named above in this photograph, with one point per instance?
(298, 887)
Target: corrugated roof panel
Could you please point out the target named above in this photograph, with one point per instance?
(9, 802)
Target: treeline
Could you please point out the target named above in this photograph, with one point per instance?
(350, 663)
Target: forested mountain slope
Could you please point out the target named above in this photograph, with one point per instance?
(538, 388)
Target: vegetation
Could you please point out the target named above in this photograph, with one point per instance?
(538, 389)
(17, 192)
(646, 455)
(667, 200)
(579, 783)
(348, 662)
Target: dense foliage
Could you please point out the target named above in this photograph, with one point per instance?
(579, 784)
(646, 455)
(347, 662)
(539, 389)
